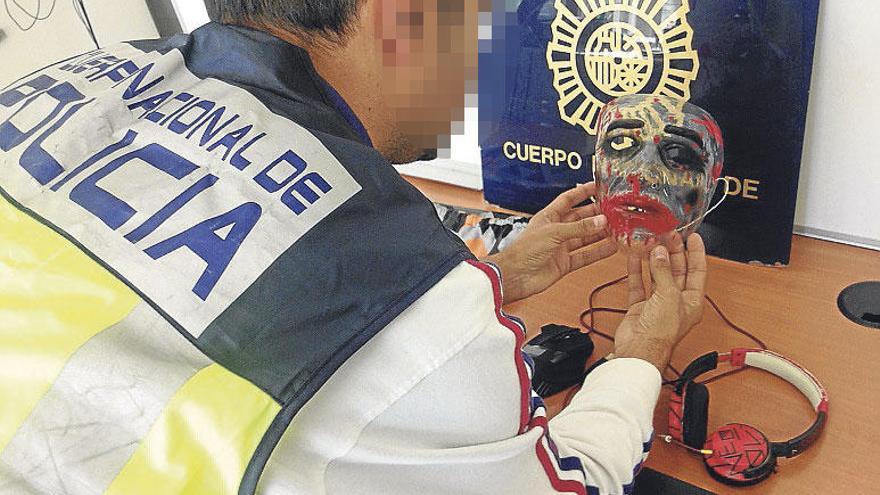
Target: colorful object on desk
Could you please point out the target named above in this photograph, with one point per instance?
(483, 232)
(657, 164)
(739, 454)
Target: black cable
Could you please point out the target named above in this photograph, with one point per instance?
(591, 327)
(30, 16)
(83, 15)
(39, 7)
(34, 17)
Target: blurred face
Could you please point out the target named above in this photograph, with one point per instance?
(429, 52)
(657, 163)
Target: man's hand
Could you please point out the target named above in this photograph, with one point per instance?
(559, 239)
(654, 325)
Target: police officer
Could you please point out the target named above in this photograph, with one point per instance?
(213, 281)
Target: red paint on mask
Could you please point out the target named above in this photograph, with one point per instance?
(636, 183)
(652, 216)
(716, 170)
(713, 129)
(649, 214)
(656, 139)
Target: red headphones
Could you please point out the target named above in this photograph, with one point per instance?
(739, 454)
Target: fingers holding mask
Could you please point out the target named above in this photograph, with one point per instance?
(662, 273)
(678, 260)
(586, 231)
(568, 200)
(696, 264)
(589, 255)
(582, 212)
(635, 281)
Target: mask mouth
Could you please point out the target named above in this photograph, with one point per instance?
(639, 206)
(631, 211)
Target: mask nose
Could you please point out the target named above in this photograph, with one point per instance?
(635, 182)
(648, 184)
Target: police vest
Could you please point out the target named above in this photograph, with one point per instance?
(195, 233)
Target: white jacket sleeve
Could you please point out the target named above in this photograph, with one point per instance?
(440, 403)
(472, 425)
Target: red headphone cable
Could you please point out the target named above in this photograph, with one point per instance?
(591, 328)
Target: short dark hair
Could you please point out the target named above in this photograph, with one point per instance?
(325, 20)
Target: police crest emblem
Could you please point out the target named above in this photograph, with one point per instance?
(603, 49)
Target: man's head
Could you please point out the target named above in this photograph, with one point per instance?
(328, 21)
(657, 163)
(401, 64)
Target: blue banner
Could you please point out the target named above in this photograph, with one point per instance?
(553, 64)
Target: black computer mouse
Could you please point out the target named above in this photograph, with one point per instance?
(560, 355)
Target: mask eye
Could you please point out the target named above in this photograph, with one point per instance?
(681, 157)
(622, 143)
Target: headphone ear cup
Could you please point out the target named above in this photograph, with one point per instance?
(695, 414)
(764, 470)
(675, 416)
(741, 455)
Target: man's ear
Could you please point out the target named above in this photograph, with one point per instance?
(399, 27)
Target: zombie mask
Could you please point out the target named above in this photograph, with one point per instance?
(657, 163)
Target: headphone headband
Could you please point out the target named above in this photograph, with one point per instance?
(780, 366)
(784, 368)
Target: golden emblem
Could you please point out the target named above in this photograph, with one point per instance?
(603, 49)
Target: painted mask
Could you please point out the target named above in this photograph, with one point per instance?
(657, 163)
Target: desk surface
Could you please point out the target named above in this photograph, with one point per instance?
(794, 310)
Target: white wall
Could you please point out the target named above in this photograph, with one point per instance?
(62, 35)
(839, 195)
(192, 13)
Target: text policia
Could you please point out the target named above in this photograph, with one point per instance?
(42, 104)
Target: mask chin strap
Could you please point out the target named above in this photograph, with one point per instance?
(710, 210)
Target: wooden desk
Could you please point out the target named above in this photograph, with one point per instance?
(794, 310)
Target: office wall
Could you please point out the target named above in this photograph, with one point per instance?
(192, 13)
(63, 35)
(839, 194)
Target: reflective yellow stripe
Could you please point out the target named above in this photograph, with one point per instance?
(203, 440)
(53, 298)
